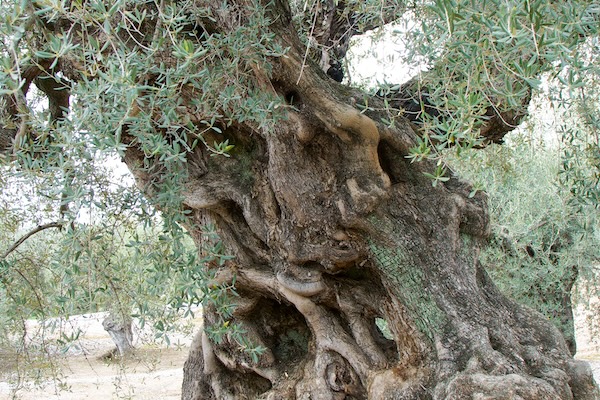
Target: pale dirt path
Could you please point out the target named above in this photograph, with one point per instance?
(154, 373)
(595, 364)
(157, 375)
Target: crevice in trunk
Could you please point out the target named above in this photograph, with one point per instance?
(393, 163)
(284, 330)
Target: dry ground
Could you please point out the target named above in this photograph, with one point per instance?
(153, 372)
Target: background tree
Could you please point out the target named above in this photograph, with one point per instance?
(316, 191)
(103, 256)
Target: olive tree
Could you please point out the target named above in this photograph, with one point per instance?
(102, 256)
(339, 213)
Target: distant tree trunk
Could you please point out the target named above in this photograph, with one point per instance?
(119, 329)
(565, 309)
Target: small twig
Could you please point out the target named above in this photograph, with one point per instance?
(538, 225)
(310, 37)
(23, 238)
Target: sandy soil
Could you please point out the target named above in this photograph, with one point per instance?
(155, 372)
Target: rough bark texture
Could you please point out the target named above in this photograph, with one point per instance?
(334, 231)
(119, 329)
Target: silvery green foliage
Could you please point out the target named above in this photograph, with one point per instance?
(543, 238)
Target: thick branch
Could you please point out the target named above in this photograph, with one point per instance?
(7, 136)
(29, 74)
(56, 90)
(414, 102)
(58, 93)
(333, 23)
(29, 234)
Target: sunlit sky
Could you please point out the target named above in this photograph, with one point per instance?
(377, 57)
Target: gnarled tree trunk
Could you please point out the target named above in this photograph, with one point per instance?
(334, 229)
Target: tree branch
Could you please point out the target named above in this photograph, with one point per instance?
(29, 234)
(414, 102)
(29, 74)
(56, 90)
(7, 136)
(334, 23)
(58, 94)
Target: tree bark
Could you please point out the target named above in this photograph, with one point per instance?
(119, 329)
(333, 229)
